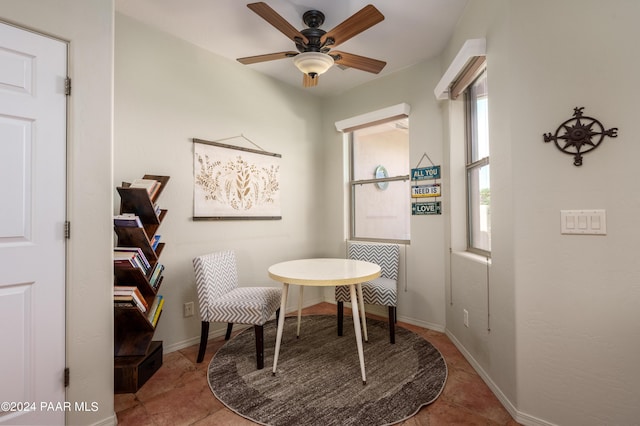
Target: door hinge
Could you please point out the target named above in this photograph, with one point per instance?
(66, 377)
(67, 86)
(67, 230)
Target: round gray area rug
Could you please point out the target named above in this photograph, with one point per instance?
(318, 380)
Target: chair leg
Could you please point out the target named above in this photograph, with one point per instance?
(259, 331)
(300, 296)
(204, 336)
(277, 315)
(340, 317)
(392, 321)
(229, 328)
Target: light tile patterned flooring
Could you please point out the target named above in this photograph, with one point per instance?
(178, 394)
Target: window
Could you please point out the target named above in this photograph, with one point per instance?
(379, 182)
(477, 166)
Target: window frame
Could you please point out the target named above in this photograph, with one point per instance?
(471, 142)
(352, 190)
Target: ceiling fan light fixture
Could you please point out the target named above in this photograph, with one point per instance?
(313, 63)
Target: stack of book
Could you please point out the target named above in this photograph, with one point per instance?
(156, 308)
(151, 185)
(129, 296)
(131, 256)
(127, 220)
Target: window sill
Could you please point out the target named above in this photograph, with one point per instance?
(474, 257)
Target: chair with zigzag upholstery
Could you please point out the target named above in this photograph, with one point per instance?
(380, 291)
(221, 300)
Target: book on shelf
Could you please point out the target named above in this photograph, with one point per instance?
(156, 276)
(127, 302)
(139, 255)
(158, 311)
(155, 240)
(151, 185)
(154, 311)
(130, 298)
(119, 290)
(127, 220)
(125, 290)
(134, 259)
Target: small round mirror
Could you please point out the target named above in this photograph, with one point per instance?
(381, 173)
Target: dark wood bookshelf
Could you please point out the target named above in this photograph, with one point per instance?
(131, 372)
(136, 357)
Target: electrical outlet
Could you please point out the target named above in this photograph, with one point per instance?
(188, 309)
(466, 317)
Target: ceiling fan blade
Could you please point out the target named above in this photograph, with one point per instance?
(271, 16)
(307, 81)
(268, 57)
(365, 18)
(358, 62)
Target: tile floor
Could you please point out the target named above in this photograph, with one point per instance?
(179, 394)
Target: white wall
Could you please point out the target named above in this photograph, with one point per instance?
(168, 92)
(422, 293)
(565, 334)
(89, 28)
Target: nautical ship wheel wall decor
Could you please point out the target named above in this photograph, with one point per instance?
(579, 135)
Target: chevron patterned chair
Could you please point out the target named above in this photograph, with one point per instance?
(380, 291)
(221, 300)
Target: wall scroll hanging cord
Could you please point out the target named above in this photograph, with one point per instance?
(240, 136)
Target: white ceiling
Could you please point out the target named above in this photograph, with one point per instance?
(412, 31)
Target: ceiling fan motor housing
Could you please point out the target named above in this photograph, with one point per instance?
(312, 19)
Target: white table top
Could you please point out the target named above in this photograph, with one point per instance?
(324, 272)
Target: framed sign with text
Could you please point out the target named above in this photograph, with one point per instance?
(425, 187)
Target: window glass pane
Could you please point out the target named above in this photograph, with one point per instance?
(382, 213)
(478, 190)
(479, 118)
(384, 145)
(479, 195)
(381, 210)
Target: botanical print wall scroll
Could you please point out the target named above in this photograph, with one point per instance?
(232, 182)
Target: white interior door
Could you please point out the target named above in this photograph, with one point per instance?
(33, 69)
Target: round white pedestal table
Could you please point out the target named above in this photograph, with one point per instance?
(325, 272)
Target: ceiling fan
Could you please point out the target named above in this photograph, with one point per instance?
(314, 55)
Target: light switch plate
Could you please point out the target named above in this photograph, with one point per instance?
(583, 222)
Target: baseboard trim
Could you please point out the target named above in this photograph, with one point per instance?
(420, 323)
(109, 421)
(520, 417)
(221, 331)
(383, 312)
